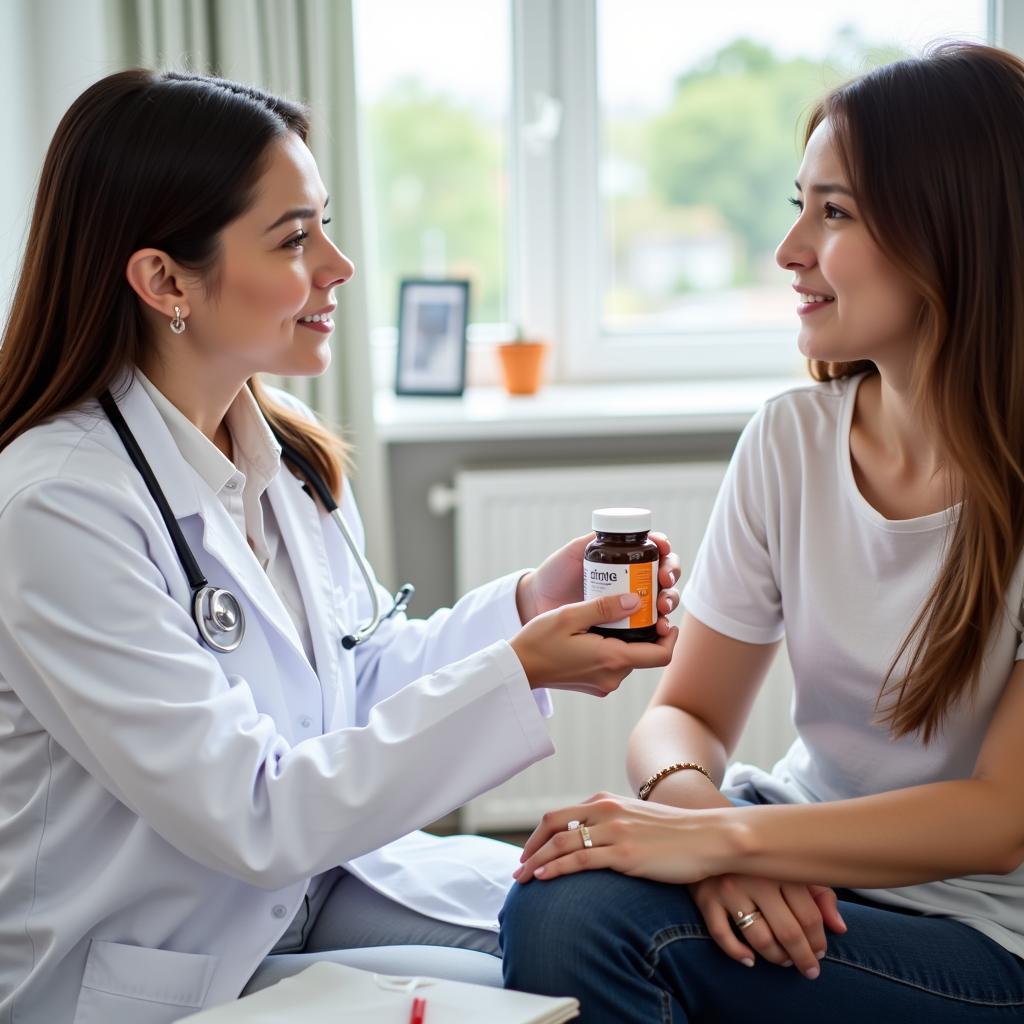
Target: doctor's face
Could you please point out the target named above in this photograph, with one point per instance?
(852, 301)
(277, 270)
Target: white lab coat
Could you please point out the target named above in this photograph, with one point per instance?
(162, 807)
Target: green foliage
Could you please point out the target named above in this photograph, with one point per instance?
(732, 136)
(439, 191)
(720, 158)
(729, 140)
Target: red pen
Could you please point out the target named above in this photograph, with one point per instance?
(419, 1008)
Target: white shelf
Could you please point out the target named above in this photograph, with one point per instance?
(699, 407)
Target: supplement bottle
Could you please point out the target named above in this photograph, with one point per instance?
(622, 560)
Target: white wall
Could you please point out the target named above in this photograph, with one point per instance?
(50, 50)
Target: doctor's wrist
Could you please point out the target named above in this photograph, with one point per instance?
(526, 605)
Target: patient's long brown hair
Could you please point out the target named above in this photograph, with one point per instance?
(934, 149)
(141, 159)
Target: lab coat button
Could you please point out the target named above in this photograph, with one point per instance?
(279, 910)
(305, 721)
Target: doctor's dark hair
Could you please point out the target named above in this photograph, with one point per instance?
(934, 151)
(141, 159)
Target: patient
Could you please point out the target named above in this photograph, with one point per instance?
(876, 518)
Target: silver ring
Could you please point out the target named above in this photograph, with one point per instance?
(746, 920)
(572, 826)
(585, 834)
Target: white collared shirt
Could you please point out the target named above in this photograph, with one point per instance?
(241, 487)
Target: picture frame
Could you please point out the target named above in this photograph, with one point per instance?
(431, 351)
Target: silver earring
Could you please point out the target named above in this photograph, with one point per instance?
(177, 324)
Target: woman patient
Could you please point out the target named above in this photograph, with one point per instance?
(876, 518)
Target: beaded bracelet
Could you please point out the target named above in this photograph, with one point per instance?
(645, 789)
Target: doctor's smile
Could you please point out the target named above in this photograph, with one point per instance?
(319, 321)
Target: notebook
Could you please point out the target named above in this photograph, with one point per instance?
(329, 993)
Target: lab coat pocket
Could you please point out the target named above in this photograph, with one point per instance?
(141, 985)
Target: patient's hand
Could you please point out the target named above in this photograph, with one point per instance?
(791, 929)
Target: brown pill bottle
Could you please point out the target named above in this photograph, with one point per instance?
(619, 560)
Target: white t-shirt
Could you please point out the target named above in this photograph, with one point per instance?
(794, 548)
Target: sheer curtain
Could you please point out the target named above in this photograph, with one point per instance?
(302, 49)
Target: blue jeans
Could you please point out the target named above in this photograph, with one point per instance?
(635, 950)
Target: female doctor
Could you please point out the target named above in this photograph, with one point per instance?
(198, 724)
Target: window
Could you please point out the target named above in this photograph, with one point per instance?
(434, 92)
(614, 176)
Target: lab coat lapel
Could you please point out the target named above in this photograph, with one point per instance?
(225, 543)
(188, 496)
(298, 519)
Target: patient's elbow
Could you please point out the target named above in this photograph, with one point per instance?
(1012, 861)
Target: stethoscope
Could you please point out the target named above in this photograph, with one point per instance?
(216, 611)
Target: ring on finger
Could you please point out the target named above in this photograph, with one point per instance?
(572, 826)
(744, 921)
(585, 834)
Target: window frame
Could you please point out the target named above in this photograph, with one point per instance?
(557, 216)
(555, 222)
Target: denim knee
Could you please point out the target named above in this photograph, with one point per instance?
(593, 910)
(559, 913)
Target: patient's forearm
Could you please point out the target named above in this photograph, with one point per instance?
(941, 830)
(665, 735)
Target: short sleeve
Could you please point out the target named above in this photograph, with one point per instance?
(1015, 605)
(733, 586)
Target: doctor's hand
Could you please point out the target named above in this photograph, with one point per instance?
(559, 581)
(557, 652)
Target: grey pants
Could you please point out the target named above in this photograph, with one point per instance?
(341, 913)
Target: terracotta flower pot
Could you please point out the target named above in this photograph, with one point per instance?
(522, 364)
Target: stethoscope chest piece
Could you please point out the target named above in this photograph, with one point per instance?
(218, 615)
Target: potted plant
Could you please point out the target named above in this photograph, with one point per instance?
(522, 363)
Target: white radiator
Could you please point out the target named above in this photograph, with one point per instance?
(509, 518)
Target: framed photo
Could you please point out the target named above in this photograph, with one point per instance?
(432, 318)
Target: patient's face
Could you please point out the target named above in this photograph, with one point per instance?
(862, 307)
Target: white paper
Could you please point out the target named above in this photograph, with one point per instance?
(330, 993)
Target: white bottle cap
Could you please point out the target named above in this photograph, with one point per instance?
(621, 520)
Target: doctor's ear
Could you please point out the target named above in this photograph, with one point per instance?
(155, 278)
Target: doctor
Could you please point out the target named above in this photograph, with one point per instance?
(179, 796)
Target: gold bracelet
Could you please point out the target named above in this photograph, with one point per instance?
(645, 789)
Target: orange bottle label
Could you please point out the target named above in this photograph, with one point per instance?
(641, 583)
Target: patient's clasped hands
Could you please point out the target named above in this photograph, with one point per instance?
(702, 848)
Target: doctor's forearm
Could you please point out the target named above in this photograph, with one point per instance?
(907, 836)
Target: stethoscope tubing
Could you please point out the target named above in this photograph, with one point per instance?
(196, 579)
(323, 492)
(216, 611)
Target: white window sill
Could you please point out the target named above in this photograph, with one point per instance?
(590, 410)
